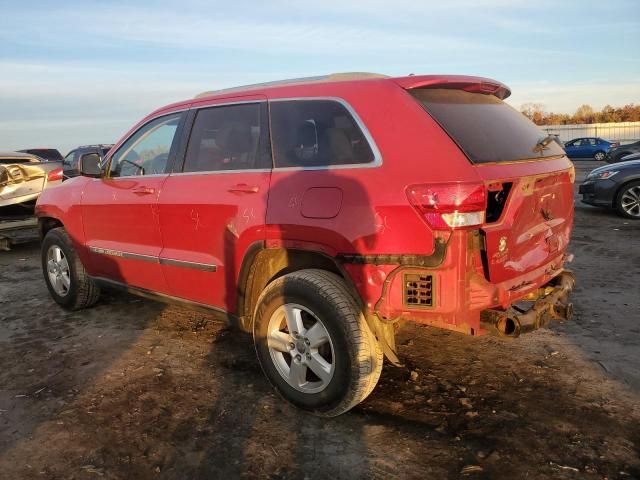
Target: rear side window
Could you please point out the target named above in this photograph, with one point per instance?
(485, 127)
(228, 138)
(316, 133)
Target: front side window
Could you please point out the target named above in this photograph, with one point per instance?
(228, 137)
(146, 152)
(314, 133)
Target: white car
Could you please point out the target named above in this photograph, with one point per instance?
(24, 176)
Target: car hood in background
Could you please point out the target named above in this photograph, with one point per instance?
(627, 158)
(619, 165)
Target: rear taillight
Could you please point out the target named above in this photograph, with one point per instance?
(450, 205)
(54, 175)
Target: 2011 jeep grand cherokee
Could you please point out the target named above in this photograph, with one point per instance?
(318, 213)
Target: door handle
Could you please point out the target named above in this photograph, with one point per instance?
(144, 191)
(244, 188)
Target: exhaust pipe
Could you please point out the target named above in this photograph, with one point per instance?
(555, 305)
(502, 324)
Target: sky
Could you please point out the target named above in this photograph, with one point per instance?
(81, 72)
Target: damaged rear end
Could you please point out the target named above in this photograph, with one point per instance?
(507, 234)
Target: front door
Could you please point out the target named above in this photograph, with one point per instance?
(213, 209)
(119, 211)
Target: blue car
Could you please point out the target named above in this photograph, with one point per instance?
(588, 147)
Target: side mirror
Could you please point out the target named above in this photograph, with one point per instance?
(90, 165)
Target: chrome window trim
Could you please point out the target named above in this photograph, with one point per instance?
(226, 104)
(129, 177)
(216, 172)
(377, 156)
(207, 267)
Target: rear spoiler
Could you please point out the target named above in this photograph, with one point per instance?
(486, 86)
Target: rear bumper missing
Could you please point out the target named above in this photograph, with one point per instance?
(550, 302)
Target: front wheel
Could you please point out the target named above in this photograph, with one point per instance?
(628, 201)
(599, 156)
(64, 273)
(314, 344)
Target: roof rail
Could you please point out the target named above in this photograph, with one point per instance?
(333, 77)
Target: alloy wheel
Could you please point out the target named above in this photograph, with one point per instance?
(630, 201)
(58, 270)
(301, 348)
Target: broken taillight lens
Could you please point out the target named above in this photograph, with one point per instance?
(54, 175)
(450, 205)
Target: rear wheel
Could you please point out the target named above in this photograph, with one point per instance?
(600, 156)
(314, 343)
(628, 200)
(64, 274)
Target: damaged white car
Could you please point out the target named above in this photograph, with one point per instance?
(22, 178)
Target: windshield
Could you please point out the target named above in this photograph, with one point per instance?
(484, 127)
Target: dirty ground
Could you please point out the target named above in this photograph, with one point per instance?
(135, 389)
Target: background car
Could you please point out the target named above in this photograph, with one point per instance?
(70, 163)
(588, 147)
(633, 156)
(49, 154)
(23, 177)
(616, 186)
(615, 154)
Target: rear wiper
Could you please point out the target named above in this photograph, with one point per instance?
(543, 143)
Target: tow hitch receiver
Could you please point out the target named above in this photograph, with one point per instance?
(551, 302)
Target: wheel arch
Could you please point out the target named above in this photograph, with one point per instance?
(261, 265)
(47, 223)
(621, 187)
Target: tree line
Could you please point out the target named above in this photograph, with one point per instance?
(537, 113)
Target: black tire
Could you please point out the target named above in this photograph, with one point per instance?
(632, 188)
(357, 356)
(599, 156)
(82, 291)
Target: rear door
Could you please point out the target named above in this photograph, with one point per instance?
(529, 181)
(214, 208)
(591, 145)
(119, 212)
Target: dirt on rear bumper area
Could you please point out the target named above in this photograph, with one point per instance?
(135, 389)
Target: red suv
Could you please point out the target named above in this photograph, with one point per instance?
(319, 213)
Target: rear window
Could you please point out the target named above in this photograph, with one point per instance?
(484, 127)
